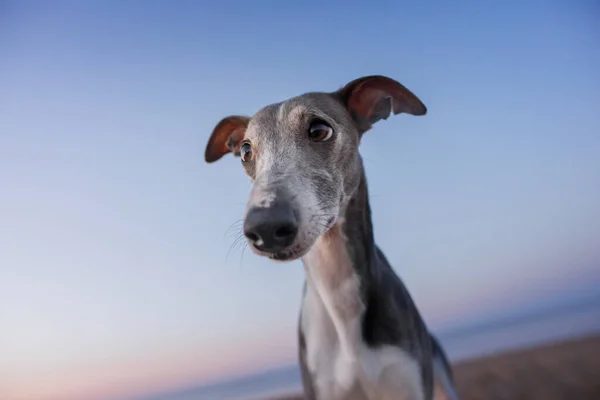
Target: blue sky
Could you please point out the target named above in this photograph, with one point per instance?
(115, 277)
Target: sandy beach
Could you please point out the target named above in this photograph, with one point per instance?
(567, 370)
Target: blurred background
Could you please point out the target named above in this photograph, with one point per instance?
(119, 275)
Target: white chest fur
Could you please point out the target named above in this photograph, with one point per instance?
(342, 366)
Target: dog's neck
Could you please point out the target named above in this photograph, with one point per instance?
(341, 267)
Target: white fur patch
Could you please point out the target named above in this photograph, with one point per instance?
(342, 365)
(369, 374)
(289, 112)
(264, 199)
(281, 111)
(296, 113)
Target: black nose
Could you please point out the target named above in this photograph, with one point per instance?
(271, 229)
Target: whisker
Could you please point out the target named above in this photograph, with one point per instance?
(238, 240)
(236, 224)
(242, 256)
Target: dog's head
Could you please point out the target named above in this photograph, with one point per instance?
(302, 157)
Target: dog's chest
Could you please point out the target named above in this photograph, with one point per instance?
(383, 373)
(341, 365)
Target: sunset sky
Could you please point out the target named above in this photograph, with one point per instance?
(117, 271)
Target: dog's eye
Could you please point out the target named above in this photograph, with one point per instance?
(319, 131)
(246, 152)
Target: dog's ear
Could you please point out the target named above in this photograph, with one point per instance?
(226, 137)
(372, 98)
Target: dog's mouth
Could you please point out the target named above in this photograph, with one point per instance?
(290, 254)
(284, 256)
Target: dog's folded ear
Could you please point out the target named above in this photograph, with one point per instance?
(226, 137)
(372, 98)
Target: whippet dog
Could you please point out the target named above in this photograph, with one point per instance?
(360, 334)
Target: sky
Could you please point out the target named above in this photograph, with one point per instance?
(117, 271)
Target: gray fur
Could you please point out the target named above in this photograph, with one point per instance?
(325, 185)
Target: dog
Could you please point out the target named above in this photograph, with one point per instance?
(360, 335)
